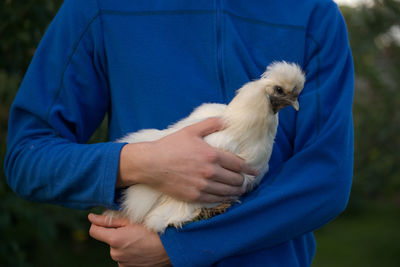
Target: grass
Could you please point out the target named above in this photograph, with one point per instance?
(368, 239)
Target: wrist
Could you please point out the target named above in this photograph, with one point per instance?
(132, 164)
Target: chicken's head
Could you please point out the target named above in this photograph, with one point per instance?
(284, 83)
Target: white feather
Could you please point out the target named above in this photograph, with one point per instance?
(250, 130)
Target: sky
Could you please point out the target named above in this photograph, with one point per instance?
(352, 2)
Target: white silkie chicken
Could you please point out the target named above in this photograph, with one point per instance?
(250, 121)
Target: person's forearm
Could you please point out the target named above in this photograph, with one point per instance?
(54, 170)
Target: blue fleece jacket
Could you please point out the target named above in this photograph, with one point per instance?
(147, 64)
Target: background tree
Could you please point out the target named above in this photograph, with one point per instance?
(34, 234)
(375, 39)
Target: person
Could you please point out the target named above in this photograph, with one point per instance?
(147, 64)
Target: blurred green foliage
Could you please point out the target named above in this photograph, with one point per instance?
(21, 28)
(370, 239)
(34, 234)
(375, 40)
(367, 233)
(44, 235)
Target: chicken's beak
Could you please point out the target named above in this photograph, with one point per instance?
(295, 105)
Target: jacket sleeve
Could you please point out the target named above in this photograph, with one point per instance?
(313, 186)
(61, 101)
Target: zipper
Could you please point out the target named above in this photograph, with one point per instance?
(219, 50)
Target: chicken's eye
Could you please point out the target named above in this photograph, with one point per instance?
(279, 90)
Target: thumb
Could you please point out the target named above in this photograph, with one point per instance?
(104, 221)
(206, 127)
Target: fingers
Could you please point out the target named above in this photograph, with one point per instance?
(106, 235)
(219, 189)
(226, 159)
(226, 177)
(206, 127)
(104, 221)
(232, 162)
(106, 229)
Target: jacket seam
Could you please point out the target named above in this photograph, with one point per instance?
(156, 12)
(265, 23)
(219, 49)
(75, 47)
(102, 34)
(317, 82)
(223, 67)
(317, 95)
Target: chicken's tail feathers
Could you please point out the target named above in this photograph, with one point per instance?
(170, 211)
(138, 201)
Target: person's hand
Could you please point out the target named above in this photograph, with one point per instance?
(130, 244)
(184, 166)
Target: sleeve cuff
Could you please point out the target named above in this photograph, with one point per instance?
(111, 195)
